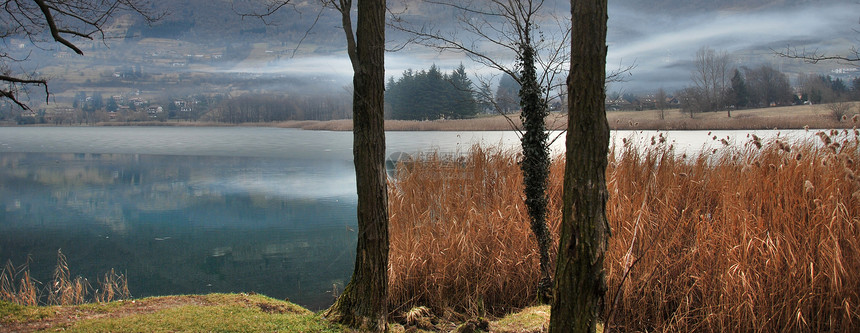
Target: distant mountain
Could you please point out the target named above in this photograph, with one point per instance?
(222, 21)
(660, 36)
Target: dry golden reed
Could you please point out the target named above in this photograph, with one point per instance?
(762, 237)
(460, 237)
(20, 290)
(62, 289)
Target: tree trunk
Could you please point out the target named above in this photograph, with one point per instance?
(363, 302)
(580, 284)
(535, 164)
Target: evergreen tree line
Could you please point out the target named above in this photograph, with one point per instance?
(431, 94)
(762, 86)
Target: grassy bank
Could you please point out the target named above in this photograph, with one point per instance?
(228, 313)
(203, 313)
(763, 237)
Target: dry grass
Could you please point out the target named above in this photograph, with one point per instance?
(783, 117)
(764, 237)
(491, 123)
(786, 117)
(17, 286)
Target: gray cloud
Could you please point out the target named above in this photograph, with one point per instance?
(663, 45)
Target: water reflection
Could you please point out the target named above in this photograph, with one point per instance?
(184, 224)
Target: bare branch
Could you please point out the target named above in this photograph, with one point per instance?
(271, 9)
(814, 56)
(61, 19)
(307, 32)
(12, 94)
(485, 96)
(344, 7)
(55, 32)
(621, 73)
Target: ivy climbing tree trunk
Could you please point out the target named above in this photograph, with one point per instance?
(535, 164)
(580, 283)
(363, 302)
(515, 26)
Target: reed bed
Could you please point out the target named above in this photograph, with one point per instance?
(17, 286)
(460, 237)
(761, 237)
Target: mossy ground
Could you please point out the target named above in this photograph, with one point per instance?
(207, 313)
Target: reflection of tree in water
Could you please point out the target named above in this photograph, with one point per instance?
(161, 220)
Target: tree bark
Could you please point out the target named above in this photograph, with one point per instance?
(580, 283)
(363, 302)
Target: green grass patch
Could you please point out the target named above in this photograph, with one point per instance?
(191, 313)
(210, 313)
(11, 312)
(215, 318)
(532, 319)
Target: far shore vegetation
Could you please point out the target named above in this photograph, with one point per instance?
(785, 117)
(761, 236)
(818, 116)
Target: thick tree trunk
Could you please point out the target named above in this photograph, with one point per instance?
(580, 285)
(363, 302)
(535, 164)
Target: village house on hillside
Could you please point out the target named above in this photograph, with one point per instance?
(154, 110)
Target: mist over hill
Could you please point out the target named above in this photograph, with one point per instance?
(660, 37)
(210, 47)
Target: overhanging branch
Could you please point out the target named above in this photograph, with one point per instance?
(55, 32)
(814, 56)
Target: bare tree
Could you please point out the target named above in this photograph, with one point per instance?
(767, 86)
(692, 100)
(711, 77)
(660, 102)
(54, 21)
(363, 303)
(839, 110)
(513, 28)
(580, 283)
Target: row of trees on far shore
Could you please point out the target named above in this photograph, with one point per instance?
(716, 86)
(431, 94)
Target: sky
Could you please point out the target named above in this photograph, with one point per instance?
(661, 45)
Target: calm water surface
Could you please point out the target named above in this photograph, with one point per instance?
(199, 210)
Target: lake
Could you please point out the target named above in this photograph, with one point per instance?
(198, 210)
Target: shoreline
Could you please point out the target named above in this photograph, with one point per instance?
(788, 117)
